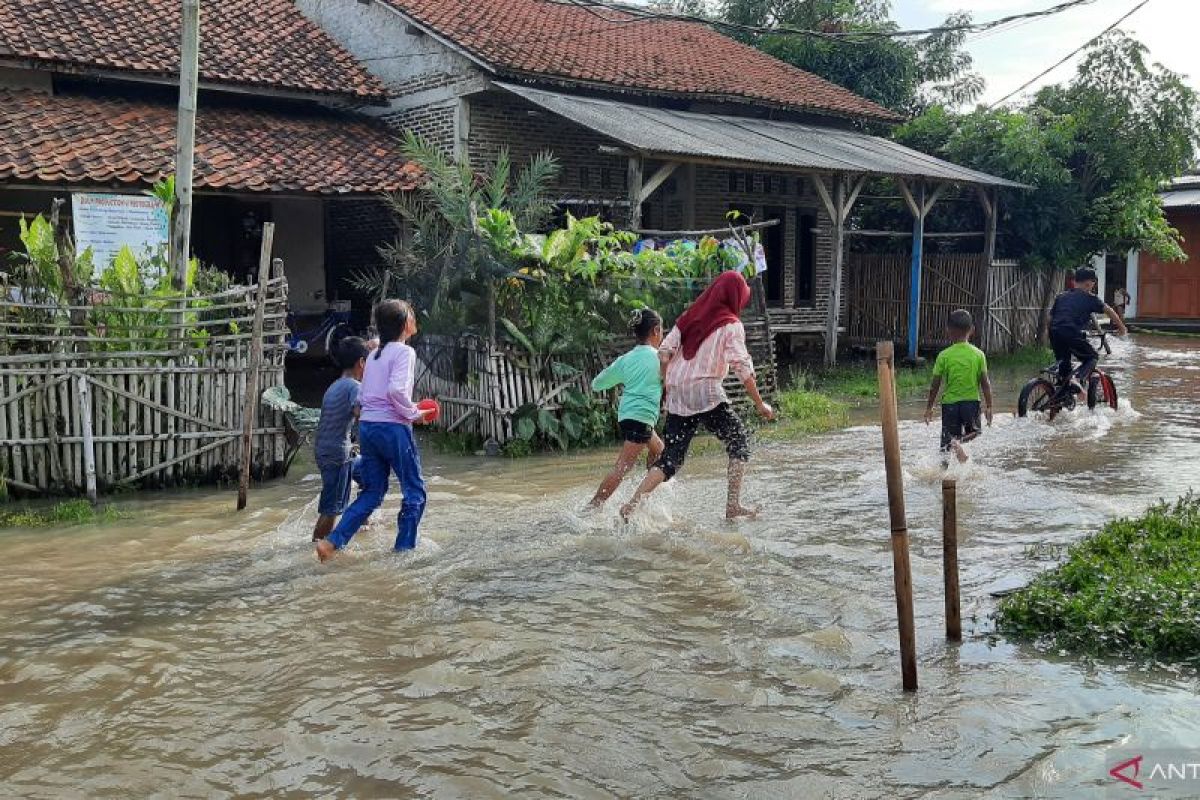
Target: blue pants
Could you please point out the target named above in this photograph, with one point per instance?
(386, 447)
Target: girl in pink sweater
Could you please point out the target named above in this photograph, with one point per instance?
(385, 432)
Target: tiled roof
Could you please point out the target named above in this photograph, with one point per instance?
(585, 44)
(79, 138)
(262, 43)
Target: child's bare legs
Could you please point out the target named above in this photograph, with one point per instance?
(654, 450)
(733, 503)
(325, 523)
(625, 461)
(325, 550)
(654, 478)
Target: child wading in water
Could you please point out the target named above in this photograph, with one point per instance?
(641, 375)
(332, 442)
(697, 354)
(385, 432)
(962, 367)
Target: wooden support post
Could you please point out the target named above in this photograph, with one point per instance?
(635, 191)
(950, 560)
(250, 403)
(84, 391)
(902, 569)
(991, 211)
(185, 142)
(914, 287)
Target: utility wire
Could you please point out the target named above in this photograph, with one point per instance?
(632, 15)
(1070, 55)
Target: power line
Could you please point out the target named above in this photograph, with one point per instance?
(632, 15)
(1070, 55)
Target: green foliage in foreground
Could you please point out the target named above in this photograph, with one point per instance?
(68, 512)
(1128, 590)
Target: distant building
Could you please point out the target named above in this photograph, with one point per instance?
(657, 124)
(1168, 292)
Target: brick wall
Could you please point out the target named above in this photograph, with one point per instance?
(354, 228)
(434, 123)
(501, 120)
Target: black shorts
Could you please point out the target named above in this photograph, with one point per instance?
(960, 421)
(720, 422)
(635, 432)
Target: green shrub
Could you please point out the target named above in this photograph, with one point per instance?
(1129, 589)
(68, 512)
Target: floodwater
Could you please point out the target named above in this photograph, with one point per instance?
(524, 650)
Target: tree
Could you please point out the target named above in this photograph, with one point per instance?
(1096, 150)
(901, 74)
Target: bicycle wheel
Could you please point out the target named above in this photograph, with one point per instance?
(1101, 390)
(1036, 396)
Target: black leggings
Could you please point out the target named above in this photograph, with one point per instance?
(1068, 343)
(720, 422)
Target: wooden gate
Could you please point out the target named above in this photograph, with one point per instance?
(136, 390)
(1006, 301)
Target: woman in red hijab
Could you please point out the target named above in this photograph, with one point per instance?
(707, 340)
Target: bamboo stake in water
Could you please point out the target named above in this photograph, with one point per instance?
(902, 570)
(950, 560)
(248, 407)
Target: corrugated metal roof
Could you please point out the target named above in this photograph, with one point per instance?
(664, 132)
(1181, 199)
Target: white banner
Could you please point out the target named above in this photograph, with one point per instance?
(108, 222)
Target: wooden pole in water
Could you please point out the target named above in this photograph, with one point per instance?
(950, 559)
(256, 350)
(885, 357)
(84, 391)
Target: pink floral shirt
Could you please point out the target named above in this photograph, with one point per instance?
(695, 386)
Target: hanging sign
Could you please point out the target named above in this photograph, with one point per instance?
(108, 222)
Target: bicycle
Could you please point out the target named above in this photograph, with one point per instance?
(335, 326)
(1048, 394)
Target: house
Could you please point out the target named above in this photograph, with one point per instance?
(1166, 294)
(658, 124)
(88, 103)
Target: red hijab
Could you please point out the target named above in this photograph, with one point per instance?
(720, 304)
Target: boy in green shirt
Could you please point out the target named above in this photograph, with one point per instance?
(640, 373)
(962, 368)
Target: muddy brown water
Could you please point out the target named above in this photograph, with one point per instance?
(522, 649)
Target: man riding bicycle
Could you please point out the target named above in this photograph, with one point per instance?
(1070, 317)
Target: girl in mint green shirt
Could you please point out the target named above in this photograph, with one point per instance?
(640, 373)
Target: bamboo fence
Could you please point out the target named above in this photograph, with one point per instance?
(126, 391)
(1006, 300)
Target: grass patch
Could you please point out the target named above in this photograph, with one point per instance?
(858, 382)
(1128, 590)
(801, 411)
(68, 512)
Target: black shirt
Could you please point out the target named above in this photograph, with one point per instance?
(1072, 311)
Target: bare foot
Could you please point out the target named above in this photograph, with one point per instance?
(627, 511)
(959, 453)
(325, 550)
(741, 512)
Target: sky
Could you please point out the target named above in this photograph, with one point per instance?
(1009, 57)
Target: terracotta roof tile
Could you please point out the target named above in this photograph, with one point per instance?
(263, 43)
(591, 45)
(79, 138)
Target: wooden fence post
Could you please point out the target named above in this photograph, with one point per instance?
(84, 391)
(950, 560)
(249, 406)
(885, 358)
